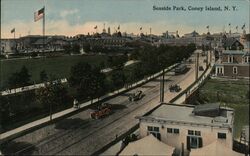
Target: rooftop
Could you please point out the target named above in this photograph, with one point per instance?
(230, 41)
(148, 145)
(185, 114)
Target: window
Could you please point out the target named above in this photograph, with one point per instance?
(246, 59)
(222, 135)
(192, 132)
(235, 70)
(198, 133)
(230, 59)
(154, 131)
(169, 130)
(176, 131)
(150, 128)
(219, 70)
(194, 142)
(173, 130)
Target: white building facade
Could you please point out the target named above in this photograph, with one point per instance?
(177, 124)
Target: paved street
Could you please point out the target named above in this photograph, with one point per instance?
(79, 134)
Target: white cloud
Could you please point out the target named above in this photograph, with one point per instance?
(65, 13)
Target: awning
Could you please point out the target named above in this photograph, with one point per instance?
(148, 145)
(216, 149)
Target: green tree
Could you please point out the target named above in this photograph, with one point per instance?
(98, 87)
(43, 76)
(102, 65)
(78, 72)
(135, 74)
(118, 78)
(4, 110)
(117, 61)
(14, 80)
(20, 79)
(24, 76)
(89, 82)
(54, 95)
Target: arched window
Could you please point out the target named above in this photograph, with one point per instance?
(230, 59)
(235, 70)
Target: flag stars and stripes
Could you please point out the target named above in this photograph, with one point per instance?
(13, 30)
(39, 14)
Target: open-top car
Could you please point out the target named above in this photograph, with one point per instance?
(136, 96)
(174, 88)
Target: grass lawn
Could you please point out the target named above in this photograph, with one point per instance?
(233, 93)
(55, 67)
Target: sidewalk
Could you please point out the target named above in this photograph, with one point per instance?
(44, 120)
(27, 88)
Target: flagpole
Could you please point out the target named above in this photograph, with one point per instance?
(44, 29)
(15, 38)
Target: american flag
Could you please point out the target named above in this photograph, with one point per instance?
(39, 14)
(13, 30)
(243, 26)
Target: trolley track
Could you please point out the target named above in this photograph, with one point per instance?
(75, 131)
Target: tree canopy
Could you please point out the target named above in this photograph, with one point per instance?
(88, 80)
(20, 79)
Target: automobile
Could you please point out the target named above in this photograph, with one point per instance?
(201, 68)
(135, 96)
(180, 69)
(174, 88)
(102, 111)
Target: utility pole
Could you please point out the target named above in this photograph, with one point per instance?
(197, 66)
(162, 87)
(210, 56)
(207, 58)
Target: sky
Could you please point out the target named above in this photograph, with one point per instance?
(72, 17)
